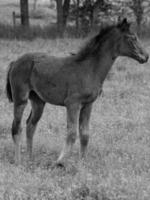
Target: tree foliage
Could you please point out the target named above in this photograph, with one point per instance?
(86, 14)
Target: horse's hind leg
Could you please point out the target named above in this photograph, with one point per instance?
(84, 127)
(36, 112)
(16, 128)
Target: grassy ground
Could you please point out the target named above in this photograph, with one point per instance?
(118, 161)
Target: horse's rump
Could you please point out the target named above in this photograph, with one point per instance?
(8, 86)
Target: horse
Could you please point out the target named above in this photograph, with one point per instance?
(73, 81)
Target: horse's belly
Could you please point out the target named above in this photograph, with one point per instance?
(51, 88)
(53, 94)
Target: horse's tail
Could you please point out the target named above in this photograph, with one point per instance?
(8, 86)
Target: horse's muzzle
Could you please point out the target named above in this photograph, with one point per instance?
(147, 57)
(143, 59)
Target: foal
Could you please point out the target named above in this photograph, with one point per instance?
(74, 82)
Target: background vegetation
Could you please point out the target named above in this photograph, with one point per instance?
(73, 18)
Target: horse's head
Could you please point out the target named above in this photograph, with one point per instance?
(128, 44)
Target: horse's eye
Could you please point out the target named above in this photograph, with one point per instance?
(127, 37)
(134, 38)
(131, 37)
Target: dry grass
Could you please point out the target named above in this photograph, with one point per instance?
(43, 15)
(118, 162)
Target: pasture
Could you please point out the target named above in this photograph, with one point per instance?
(118, 160)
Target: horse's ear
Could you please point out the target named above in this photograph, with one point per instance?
(124, 25)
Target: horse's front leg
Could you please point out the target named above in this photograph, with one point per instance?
(84, 128)
(73, 111)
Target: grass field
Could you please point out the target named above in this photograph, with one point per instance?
(118, 161)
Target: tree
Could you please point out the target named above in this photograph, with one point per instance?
(34, 4)
(91, 6)
(62, 15)
(138, 11)
(24, 13)
(77, 14)
(86, 12)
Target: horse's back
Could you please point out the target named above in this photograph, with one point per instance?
(23, 66)
(50, 65)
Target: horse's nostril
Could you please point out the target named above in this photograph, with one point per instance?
(147, 57)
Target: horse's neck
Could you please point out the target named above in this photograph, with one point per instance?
(103, 64)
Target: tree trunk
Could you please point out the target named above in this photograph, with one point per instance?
(24, 12)
(139, 18)
(138, 11)
(60, 17)
(62, 14)
(34, 4)
(77, 16)
(66, 6)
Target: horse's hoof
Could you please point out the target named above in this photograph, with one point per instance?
(58, 165)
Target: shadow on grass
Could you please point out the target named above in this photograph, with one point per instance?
(41, 160)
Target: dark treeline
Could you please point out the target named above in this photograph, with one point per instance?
(84, 15)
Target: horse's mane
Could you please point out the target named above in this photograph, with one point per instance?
(93, 46)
